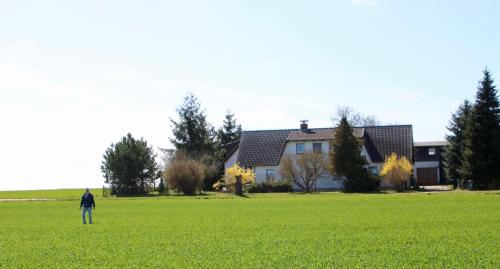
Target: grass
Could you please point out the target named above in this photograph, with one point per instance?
(48, 194)
(438, 230)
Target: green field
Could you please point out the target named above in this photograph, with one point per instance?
(438, 230)
(61, 194)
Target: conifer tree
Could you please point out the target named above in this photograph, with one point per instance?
(161, 186)
(346, 161)
(482, 143)
(230, 130)
(129, 166)
(453, 155)
(193, 134)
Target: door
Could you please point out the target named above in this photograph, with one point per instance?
(427, 176)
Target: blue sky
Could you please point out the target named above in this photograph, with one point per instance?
(77, 75)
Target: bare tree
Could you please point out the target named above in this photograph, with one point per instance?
(355, 119)
(305, 169)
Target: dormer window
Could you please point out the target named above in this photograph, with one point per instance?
(432, 151)
(300, 148)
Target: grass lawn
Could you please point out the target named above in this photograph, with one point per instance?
(453, 230)
(61, 194)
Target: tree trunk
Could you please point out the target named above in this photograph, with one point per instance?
(238, 187)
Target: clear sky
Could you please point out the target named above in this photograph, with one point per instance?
(78, 75)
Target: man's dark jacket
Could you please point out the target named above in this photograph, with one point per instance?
(87, 200)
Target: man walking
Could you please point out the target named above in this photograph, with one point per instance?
(87, 203)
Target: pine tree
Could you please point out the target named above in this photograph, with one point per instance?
(161, 186)
(346, 161)
(129, 166)
(482, 143)
(230, 131)
(192, 132)
(453, 155)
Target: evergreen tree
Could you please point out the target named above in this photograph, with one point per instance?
(192, 132)
(346, 161)
(195, 136)
(230, 131)
(129, 166)
(161, 186)
(482, 143)
(453, 155)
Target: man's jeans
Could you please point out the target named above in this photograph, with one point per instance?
(87, 209)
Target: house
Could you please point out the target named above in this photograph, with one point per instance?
(428, 166)
(263, 150)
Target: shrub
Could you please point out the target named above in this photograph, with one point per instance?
(185, 175)
(397, 171)
(265, 187)
(364, 182)
(304, 170)
(228, 181)
(257, 188)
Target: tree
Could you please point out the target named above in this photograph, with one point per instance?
(129, 166)
(195, 137)
(397, 171)
(230, 130)
(346, 161)
(161, 186)
(454, 152)
(482, 143)
(192, 132)
(355, 119)
(228, 181)
(305, 169)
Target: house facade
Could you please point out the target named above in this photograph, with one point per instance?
(428, 166)
(263, 150)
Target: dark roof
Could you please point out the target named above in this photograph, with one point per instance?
(230, 148)
(265, 147)
(318, 134)
(261, 148)
(381, 141)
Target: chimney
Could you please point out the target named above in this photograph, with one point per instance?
(303, 125)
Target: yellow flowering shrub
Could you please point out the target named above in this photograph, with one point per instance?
(229, 179)
(397, 171)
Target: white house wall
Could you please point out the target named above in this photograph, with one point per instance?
(231, 160)
(325, 182)
(290, 147)
(260, 173)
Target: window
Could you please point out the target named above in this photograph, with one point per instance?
(270, 175)
(300, 148)
(373, 170)
(432, 151)
(317, 148)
